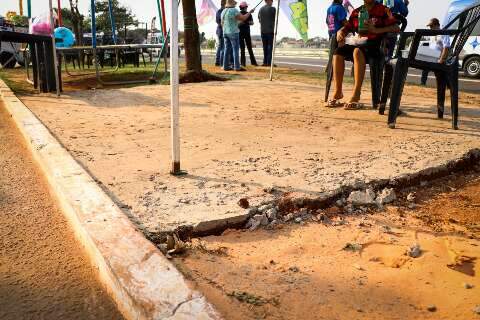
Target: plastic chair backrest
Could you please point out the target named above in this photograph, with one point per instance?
(465, 23)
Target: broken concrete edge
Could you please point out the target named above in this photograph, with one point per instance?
(288, 201)
(138, 277)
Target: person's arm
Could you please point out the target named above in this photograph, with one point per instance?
(443, 55)
(446, 47)
(244, 17)
(341, 35)
(342, 16)
(346, 29)
(388, 29)
(401, 7)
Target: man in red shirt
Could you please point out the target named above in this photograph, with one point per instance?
(380, 21)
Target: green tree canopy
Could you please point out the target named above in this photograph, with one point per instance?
(19, 21)
(123, 16)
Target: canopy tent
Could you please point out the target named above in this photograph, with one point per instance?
(456, 7)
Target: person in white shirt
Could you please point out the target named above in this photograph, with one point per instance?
(437, 43)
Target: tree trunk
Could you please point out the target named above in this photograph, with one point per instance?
(77, 21)
(191, 41)
(193, 56)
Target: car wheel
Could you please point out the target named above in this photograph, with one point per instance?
(472, 67)
(7, 60)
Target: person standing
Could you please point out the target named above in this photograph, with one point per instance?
(436, 43)
(245, 38)
(220, 41)
(231, 17)
(336, 17)
(266, 16)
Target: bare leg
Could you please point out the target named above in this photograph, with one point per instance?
(338, 71)
(359, 74)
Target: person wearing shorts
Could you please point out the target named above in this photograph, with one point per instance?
(380, 22)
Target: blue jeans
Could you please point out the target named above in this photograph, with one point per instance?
(267, 41)
(220, 50)
(232, 46)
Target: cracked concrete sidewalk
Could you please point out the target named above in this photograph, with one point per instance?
(239, 138)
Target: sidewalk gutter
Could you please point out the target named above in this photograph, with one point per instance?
(142, 282)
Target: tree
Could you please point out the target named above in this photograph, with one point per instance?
(76, 19)
(192, 37)
(123, 16)
(67, 18)
(191, 42)
(17, 20)
(211, 44)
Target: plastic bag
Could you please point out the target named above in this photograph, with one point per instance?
(41, 25)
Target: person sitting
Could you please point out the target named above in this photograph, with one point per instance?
(380, 21)
(336, 18)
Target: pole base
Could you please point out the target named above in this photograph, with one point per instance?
(176, 170)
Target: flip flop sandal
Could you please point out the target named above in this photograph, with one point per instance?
(354, 106)
(334, 103)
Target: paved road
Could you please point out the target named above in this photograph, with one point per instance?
(319, 63)
(44, 273)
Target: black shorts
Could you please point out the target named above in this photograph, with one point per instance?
(370, 50)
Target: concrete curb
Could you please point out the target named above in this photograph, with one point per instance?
(142, 282)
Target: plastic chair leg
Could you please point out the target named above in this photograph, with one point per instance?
(386, 88)
(399, 77)
(453, 81)
(441, 79)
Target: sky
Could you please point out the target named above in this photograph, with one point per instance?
(420, 12)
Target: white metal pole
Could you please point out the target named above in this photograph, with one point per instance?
(174, 92)
(274, 40)
(54, 50)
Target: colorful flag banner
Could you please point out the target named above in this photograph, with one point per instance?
(208, 11)
(296, 11)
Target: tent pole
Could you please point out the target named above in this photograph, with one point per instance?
(59, 8)
(29, 8)
(94, 40)
(274, 40)
(112, 21)
(174, 90)
(54, 49)
(164, 19)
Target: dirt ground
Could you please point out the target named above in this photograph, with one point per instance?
(44, 274)
(309, 271)
(239, 138)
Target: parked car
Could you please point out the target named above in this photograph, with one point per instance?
(470, 57)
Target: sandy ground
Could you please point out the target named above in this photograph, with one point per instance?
(43, 272)
(240, 137)
(301, 272)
